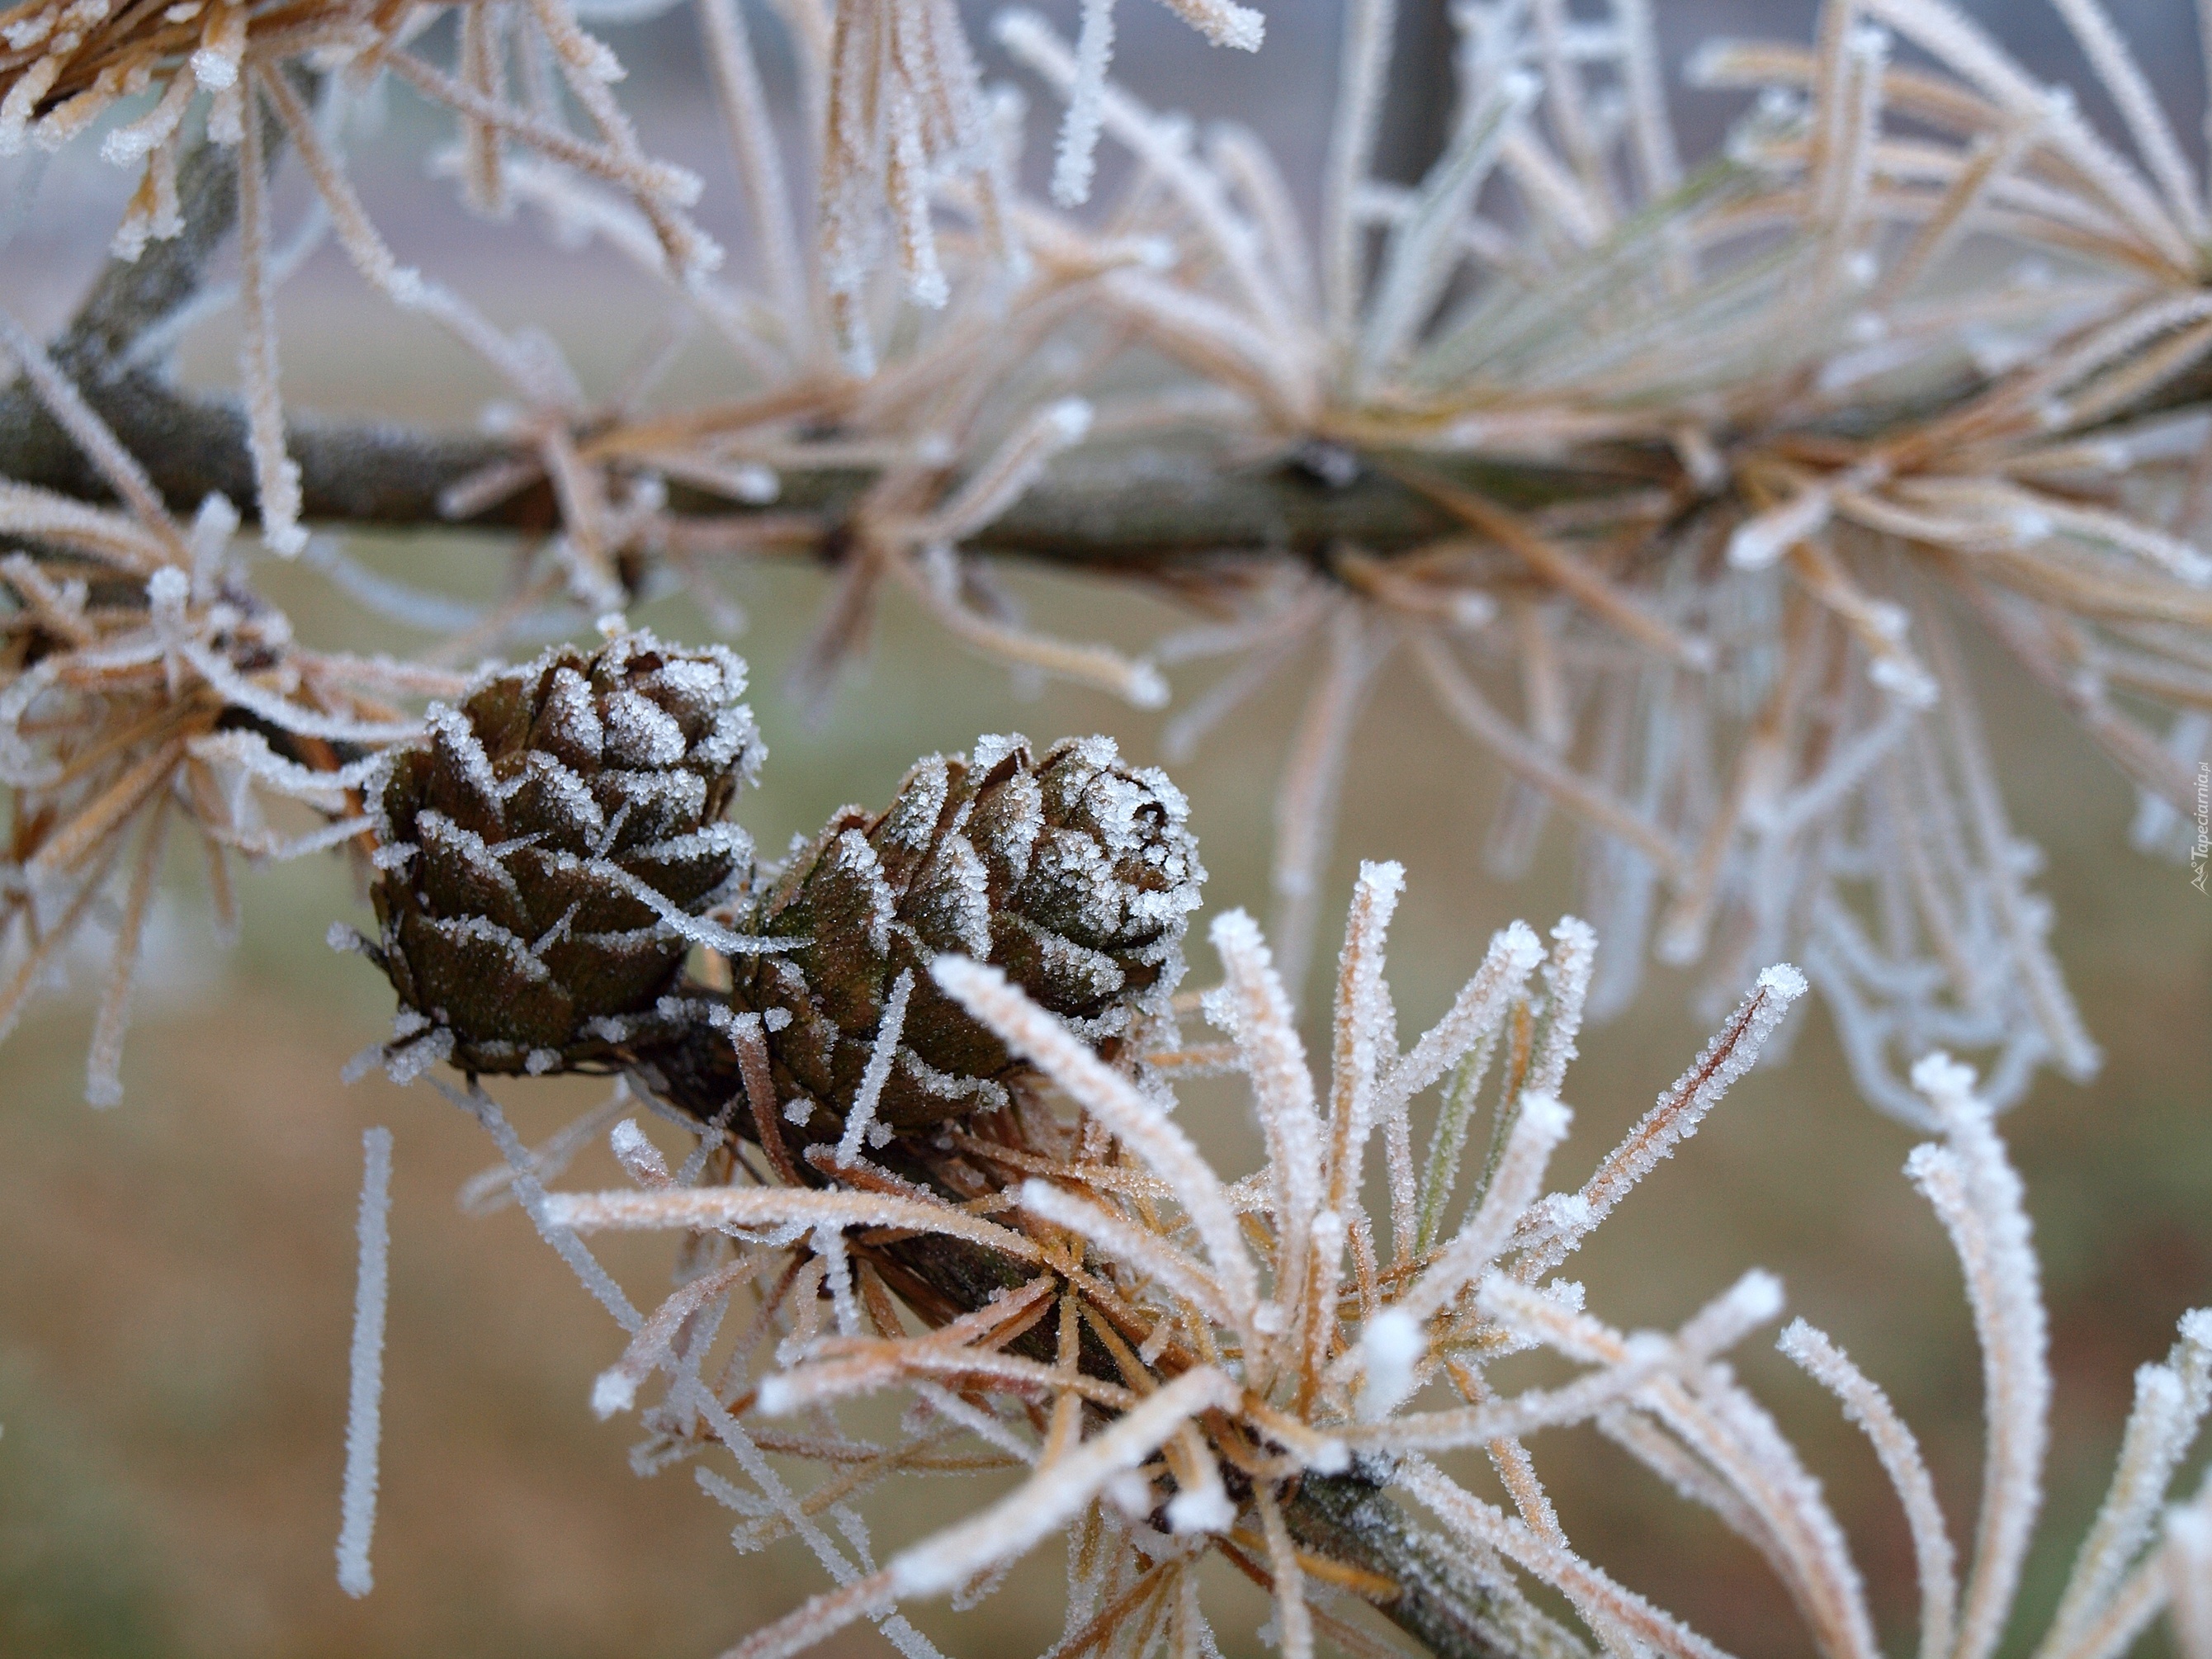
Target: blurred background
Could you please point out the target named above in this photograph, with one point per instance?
(176, 1276)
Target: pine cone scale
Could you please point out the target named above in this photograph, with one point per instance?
(540, 848)
(1072, 872)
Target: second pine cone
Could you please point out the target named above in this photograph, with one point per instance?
(1074, 873)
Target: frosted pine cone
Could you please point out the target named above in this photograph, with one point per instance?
(548, 854)
(1074, 873)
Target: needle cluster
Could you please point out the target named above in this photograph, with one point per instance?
(1178, 1364)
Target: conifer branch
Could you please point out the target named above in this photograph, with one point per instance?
(1134, 507)
(1104, 509)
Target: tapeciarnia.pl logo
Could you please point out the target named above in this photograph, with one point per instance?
(2197, 853)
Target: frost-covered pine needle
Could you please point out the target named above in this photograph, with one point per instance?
(1077, 158)
(275, 474)
(1976, 1195)
(1675, 1116)
(364, 1410)
(104, 1060)
(1893, 1443)
(682, 1207)
(862, 1117)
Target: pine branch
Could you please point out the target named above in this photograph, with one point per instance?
(1128, 508)
(130, 295)
(1136, 508)
(1104, 509)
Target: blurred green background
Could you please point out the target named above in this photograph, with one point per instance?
(176, 1276)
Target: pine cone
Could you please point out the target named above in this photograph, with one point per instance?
(1074, 874)
(546, 854)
